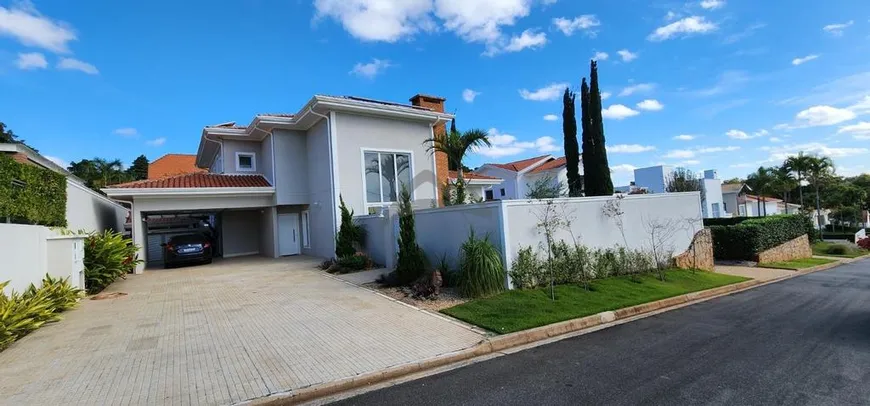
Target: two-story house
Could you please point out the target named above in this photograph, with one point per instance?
(519, 177)
(273, 187)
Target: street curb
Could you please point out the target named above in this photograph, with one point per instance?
(504, 342)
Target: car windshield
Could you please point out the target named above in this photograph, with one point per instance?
(187, 239)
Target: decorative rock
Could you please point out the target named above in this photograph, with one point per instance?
(700, 253)
(794, 249)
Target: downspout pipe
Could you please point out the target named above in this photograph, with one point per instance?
(331, 168)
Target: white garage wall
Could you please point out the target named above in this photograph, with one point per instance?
(29, 252)
(89, 211)
(240, 231)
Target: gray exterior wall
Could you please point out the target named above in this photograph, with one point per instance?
(730, 201)
(264, 163)
(291, 167)
(322, 209)
(86, 210)
(268, 232)
(357, 133)
(241, 232)
(230, 147)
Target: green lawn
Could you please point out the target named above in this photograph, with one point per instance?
(798, 263)
(821, 248)
(517, 310)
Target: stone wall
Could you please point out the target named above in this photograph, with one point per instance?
(700, 253)
(794, 249)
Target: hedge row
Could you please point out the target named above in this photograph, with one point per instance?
(746, 239)
(31, 194)
(730, 221)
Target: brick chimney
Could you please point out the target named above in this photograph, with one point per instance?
(435, 103)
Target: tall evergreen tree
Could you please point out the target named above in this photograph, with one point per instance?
(588, 151)
(572, 149)
(139, 169)
(596, 173)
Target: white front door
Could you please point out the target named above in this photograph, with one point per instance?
(288, 234)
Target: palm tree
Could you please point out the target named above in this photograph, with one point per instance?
(456, 145)
(799, 164)
(819, 168)
(783, 182)
(760, 181)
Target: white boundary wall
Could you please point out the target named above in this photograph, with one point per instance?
(513, 224)
(28, 252)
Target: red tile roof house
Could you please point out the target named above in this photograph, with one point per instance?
(173, 164)
(273, 186)
(520, 176)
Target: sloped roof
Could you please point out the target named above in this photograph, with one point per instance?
(172, 165)
(517, 166)
(196, 180)
(753, 198)
(471, 175)
(550, 165)
(732, 187)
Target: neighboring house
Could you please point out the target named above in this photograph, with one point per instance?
(86, 209)
(520, 176)
(732, 196)
(273, 187)
(172, 165)
(755, 206)
(655, 180)
(478, 187)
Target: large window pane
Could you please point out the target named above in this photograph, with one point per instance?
(373, 178)
(403, 176)
(388, 177)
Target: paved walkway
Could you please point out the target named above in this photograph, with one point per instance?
(219, 334)
(762, 274)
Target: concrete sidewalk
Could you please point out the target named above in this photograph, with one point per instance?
(758, 273)
(221, 334)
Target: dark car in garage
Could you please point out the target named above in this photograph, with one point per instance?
(187, 249)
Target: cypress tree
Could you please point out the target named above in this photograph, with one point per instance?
(601, 179)
(572, 149)
(588, 151)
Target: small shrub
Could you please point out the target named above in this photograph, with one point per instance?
(411, 261)
(22, 313)
(864, 243)
(527, 270)
(349, 234)
(108, 256)
(450, 277)
(356, 262)
(481, 272)
(837, 249)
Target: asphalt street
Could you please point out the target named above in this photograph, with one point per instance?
(803, 341)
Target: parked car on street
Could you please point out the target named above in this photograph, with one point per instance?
(187, 249)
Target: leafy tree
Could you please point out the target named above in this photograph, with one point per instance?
(783, 182)
(9, 137)
(411, 261)
(761, 181)
(819, 168)
(572, 149)
(800, 165)
(349, 233)
(597, 172)
(456, 145)
(733, 181)
(683, 180)
(139, 169)
(546, 187)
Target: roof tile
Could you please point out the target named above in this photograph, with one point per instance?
(471, 175)
(173, 164)
(517, 166)
(197, 180)
(551, 164)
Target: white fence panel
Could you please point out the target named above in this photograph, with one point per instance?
(28, 252)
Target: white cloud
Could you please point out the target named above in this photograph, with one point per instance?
(24, 23)
(32, 60)
(638, 88)
(551, 117)
(684, 137)
(552, 92)
(862, 106)
(528, 39)
(75, 64)
(156, 142)
(478, 21)
(713, 150)
(837, 29)
(689, 162)
(373, 20)
(508, 145)
(738, 135)
(622, 168)
(680, 154)
(742, 165)
(650, 105)
(712, 4)
(600, 56)
(801, 61)
(778, 154)
(618, 112)
(859, 131)
(605, 95)
(629, 148)
(126, 132)
(823, 115)
(683, 28)
(626, 55)
(371, 69)
(58, 161)
(585, 23)
(469, 95)
(775, 139)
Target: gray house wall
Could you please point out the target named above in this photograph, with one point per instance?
(356, 133)
(241, 232)
(265, 164)
(86, 210)
(322, 210)
(230, 147)
(291, 167)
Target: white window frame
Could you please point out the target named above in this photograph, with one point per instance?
(362, 153)
(306, 227)
(253, 156)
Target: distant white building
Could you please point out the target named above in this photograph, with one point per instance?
(655, 180)
(519, 177)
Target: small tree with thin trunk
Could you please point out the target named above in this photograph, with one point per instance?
(683, 180)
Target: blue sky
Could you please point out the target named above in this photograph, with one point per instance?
(725, 84)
